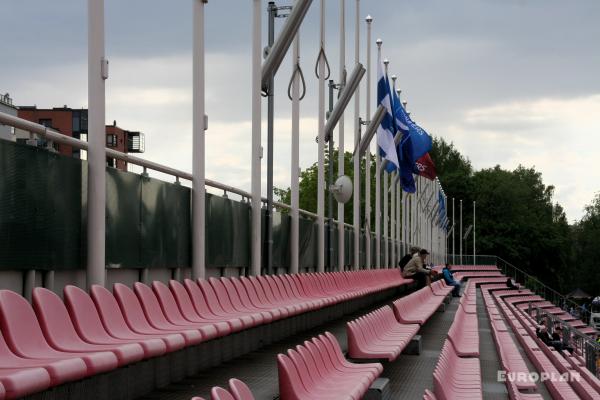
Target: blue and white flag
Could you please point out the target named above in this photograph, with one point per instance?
(387, 129)
(407, 166)
(415, 141)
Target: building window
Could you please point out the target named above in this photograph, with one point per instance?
(111, 140)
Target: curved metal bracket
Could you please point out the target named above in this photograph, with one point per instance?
(297, 71)
(324, 56)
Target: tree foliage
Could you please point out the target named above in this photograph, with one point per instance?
(517, 218)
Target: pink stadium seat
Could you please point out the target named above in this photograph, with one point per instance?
(240, 390)
(59, 370)
(19, 382)
(116, 325)
(222, 296)
(240, 301)
(202, 309)
(24, 336)
(173, 314)
(216, 308)
(464, 334)
(218, 393)
(136, 319)
(311, 371)
(378, 335)
(455, 377)
(417, 307)
(61, 334)
(157, 319)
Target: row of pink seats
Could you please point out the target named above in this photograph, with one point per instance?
(378, 335)
(455, 377)
(460, 275)
(96, 332)
(417, 307)
(238, 390)
(464, 333)
(318, 370)
(526, 335)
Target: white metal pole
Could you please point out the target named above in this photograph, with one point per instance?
(356, 197)
(386, 204)
(198, 168)
(341, 151)
(378, 188)
(295, 178)
(392, 220)
(256, 139)
(460, 236)
(398, 224)
(453, 230)
(368, 20)
(321, 159)
(474, 263)
(96, 195)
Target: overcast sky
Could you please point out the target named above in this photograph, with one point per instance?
(508, 81)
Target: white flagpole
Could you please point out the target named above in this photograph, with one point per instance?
(460, 236)
(453, 230)
(368, 20)
(198, 152)
(321, 159)
(378, 187)
(295, 167)
(341, 150)
(256, 140)
(393, 220)
(474, 263)
(386, 205)
(96, 194)
(356, 197)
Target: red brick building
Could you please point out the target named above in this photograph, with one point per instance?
(73, 122)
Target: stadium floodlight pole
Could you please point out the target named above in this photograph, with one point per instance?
(283, 42)
(350, 88)
(198, 152)
(341, 150)
(474, 263)
(460, 236)
(256, 139)
(356, 165)
(368, 21)
(379, 42)
(96, 192)
(295, 170)
(321, 155)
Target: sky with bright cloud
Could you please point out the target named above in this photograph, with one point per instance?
(509, 82)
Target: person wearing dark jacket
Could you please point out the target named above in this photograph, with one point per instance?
(404, 260)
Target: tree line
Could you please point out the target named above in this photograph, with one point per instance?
(517, 217)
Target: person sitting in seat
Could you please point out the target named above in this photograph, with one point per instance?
(511, 284)
(415, 269)
(450, 281)
(557, 336)
(404, 260)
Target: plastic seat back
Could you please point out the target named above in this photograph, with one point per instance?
(290, 385)
(150, 304)
(20, 326)
(211, 297)
(131, 307)
(222, 296)
(84, 314)
(110, 312)
(198, 300)
(240, 390)
(167, 302)
(218, 393)
(54, 318)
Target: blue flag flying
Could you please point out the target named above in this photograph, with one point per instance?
(407, 181)
(386, 130)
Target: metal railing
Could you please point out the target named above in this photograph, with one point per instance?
(522, 277)
(582, 344)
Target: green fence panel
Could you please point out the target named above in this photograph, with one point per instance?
(281, 240)
(123, 219)
(166, 224)
(40, 209)
(227, 232)
(308, 243)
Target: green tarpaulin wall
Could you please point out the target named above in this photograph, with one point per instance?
(148, 221)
